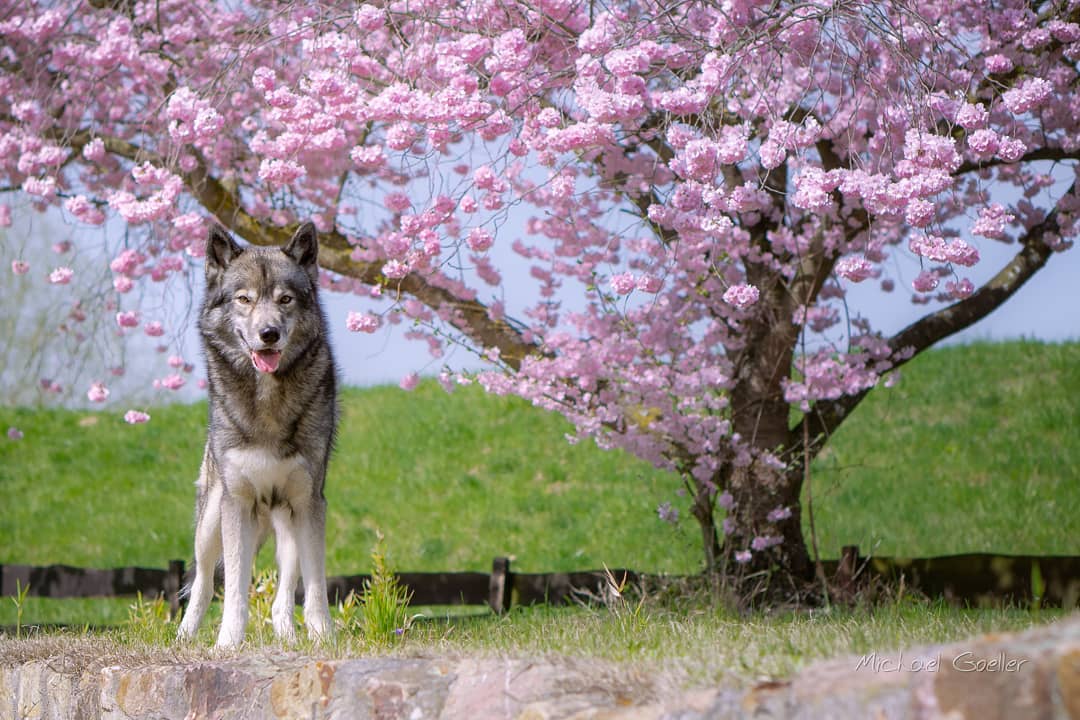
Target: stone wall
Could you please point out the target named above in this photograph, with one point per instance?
(1033, 675)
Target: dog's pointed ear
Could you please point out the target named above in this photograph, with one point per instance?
(221, 249)
(304, 250)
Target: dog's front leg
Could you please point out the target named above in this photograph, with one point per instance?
(288, 573)
(238, 545)
(311, 527)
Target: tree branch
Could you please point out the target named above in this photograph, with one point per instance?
(335, 253)
(827, 416)
(1056, 154)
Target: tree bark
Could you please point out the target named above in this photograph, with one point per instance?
(779, 571)
(704, 511)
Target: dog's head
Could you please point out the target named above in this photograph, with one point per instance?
(268, 293)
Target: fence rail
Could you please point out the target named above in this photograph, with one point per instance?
(976, 579)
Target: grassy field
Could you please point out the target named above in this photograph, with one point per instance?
(975, 450)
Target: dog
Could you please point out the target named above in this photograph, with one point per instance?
(272, 385)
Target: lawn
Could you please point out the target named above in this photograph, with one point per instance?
(974, 450)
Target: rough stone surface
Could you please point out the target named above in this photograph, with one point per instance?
(1033, 675)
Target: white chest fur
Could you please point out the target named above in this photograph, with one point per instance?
(258, 474)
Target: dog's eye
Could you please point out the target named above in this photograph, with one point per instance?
(243, 299)
(285, 299)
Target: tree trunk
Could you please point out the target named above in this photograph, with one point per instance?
(704, 511)
(767, 522)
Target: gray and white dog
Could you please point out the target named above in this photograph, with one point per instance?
(273, 416)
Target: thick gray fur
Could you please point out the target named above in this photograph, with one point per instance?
(271, 431)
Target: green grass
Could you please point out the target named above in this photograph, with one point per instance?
(975, 450)
(452, 480)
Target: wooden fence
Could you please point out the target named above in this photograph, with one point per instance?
(979, 579)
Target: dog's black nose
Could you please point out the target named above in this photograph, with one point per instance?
(269, 335)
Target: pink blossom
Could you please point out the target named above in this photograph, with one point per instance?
(14, 433)
(623, 283)
(998, 63)
(925, 281)
(1011, 149)
(726, 500)
(127, 319)
(549, 118)
(61, 276)
(649, 284)
(930, 150)
(919, 212)
(171, 382)
(778, 514)
(395, 269)
(732, 144)
(741, 296)
(135, 417)
(397, 202)
(20, 267)
(931, 247)
(812, 188)
(410, 381)
(446, 380)
(1032, 93)
(764, 542)
(127, 262)
(855, 269)
(699, 160)
(369, 18)
(983, 142)
(97, 393)
(961, 253)
(368, 157)
(123, 284)
(479, 239)
(971, 116)
(94, 151)
(176, 361)
(5, 216)
(84, 210)
(361, 322)
(62, 247)
(960, 290)
(992, 221)
(667, 513)
(280, 172)
(41, 187)
(743, 557)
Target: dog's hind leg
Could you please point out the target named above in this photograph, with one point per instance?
(207, 554)
(311, 531)
(238, 539)
(288, 562)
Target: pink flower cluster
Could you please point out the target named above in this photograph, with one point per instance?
(741, 296)
(362, 322)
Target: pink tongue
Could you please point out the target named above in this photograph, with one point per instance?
(266, 360)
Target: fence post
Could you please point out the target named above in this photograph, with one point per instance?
(174, 582)
(501, 586)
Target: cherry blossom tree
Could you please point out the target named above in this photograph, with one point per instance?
(702, 182)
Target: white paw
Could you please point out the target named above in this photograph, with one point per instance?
(230, 637)
(318, 624)
(284, 627)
